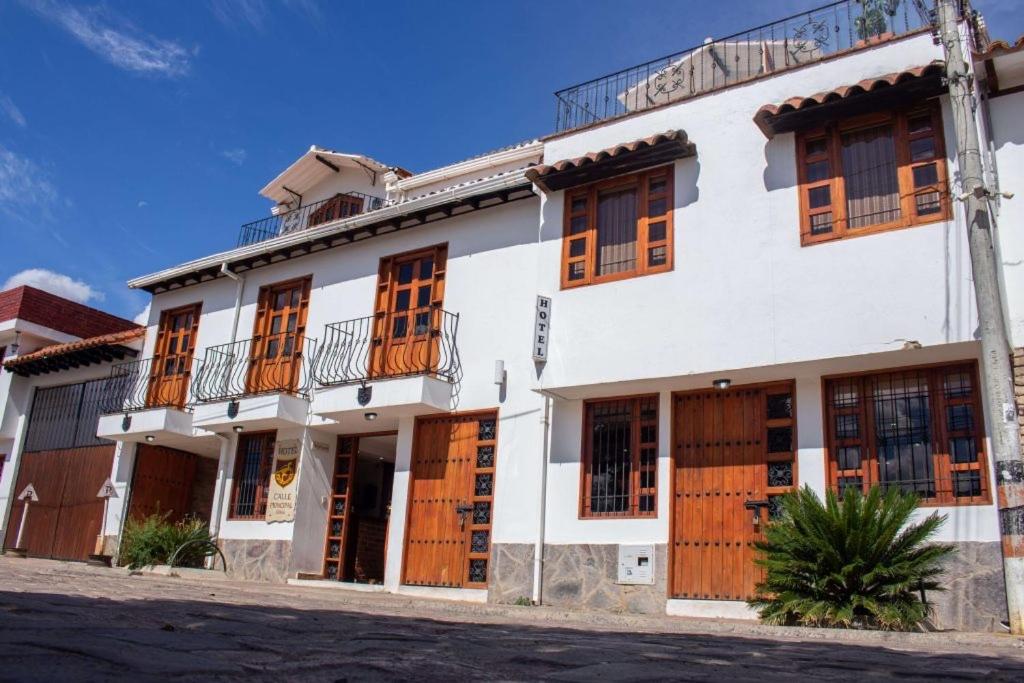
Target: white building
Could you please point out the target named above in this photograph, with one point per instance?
(618, 344)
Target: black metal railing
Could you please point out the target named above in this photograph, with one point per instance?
(344, 205)
(140, 385)
(278, 363)
(800, 39)
(419, 341)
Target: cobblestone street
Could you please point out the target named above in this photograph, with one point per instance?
(62, 621)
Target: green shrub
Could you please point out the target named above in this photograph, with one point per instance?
(153, 540)
(853, 562)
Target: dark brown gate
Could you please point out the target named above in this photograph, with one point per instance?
(65, 522)
(162, 482)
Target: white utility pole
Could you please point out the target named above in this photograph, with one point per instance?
(996, 373)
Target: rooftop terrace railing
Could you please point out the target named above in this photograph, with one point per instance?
(342, 205)
(800, 39)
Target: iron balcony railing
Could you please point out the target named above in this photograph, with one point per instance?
(800, 39)
(139, 385)
(277, 363)
(419, 341)
(343, 205)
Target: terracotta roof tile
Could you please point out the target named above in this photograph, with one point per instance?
(56, 350)
(767, 112)
(610, 152)
(999, 47)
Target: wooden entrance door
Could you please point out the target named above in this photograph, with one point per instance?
(408, 318)
(451, 498)
(730, 445)
(172, 362)
(278, 337)
(162, 482)
(64, 523)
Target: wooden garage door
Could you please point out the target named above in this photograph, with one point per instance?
(162, 482)
(734, 455)
(451, 498)
(65, 522)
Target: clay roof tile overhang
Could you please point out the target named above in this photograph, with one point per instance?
(606, 163)
(870, 94)
(102, 349)
(998, 48)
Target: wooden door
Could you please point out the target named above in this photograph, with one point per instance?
(278, 337)
(162, 482)
(451, 498)
(65, 522)
(409, 316)
(720, 467)
(172, 360)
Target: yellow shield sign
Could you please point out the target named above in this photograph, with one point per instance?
(285, 474)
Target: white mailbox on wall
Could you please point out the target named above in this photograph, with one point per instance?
(636, 564)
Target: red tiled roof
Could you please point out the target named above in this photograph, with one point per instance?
(60, 350)
(568, 164)
(767, 112)
(49, 310)
(999, 47)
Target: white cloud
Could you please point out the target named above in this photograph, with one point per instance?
(54, 283)
(116, 39)
(233, 12)
(8, 107)
(143, 316)
(235, 156)
(25, 191)
(143, 204)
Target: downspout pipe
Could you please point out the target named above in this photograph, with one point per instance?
(240, 281)
(538, 548)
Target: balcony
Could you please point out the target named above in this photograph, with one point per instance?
(259, 383)
(397, 364)
(342, 205)
(772, 48)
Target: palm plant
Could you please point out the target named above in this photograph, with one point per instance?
(854, 562)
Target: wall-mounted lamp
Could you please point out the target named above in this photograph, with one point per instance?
(722, 384)
(238, 429)
(499, 372)
(370, 416)
(13, 348)
(150, 438)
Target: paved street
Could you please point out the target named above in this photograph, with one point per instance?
(62, 621)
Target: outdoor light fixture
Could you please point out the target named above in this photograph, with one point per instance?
(370, 416)
(13, 348)
(150, 438)
(238, 429)
(722, 383)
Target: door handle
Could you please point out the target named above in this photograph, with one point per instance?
(756, 506)
(463, 509)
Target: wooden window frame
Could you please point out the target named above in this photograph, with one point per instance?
(832, 133)
(636, 444)
(332, 209)
(943, 467)
(266, 471)
(643, 243)
(160, 352)
(261, 334)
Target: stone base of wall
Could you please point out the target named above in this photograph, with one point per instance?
(583, 577)
(257, 559)
(975, 595)
(577, 577)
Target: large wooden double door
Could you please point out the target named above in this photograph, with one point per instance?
(733, 457)
(451, 500)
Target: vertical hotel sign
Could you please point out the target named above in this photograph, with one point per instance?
(541, 325)
(281, 498)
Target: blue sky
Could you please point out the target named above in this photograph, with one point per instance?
(135, 135)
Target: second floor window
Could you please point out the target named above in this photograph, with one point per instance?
(872, 173)
(172, 363)
(618, 228)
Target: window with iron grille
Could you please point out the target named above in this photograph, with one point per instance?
(620, 457)
(254, 460)
(618, 228)
(872, 173)
(919, 430)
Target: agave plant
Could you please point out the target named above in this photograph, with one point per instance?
(854, 562)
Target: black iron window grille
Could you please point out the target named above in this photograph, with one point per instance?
(66, 416)
(254, 459)
(620, 458)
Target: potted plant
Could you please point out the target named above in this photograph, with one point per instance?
(873, 24)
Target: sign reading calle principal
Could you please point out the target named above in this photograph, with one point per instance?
(281, 499)
(541, 325)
